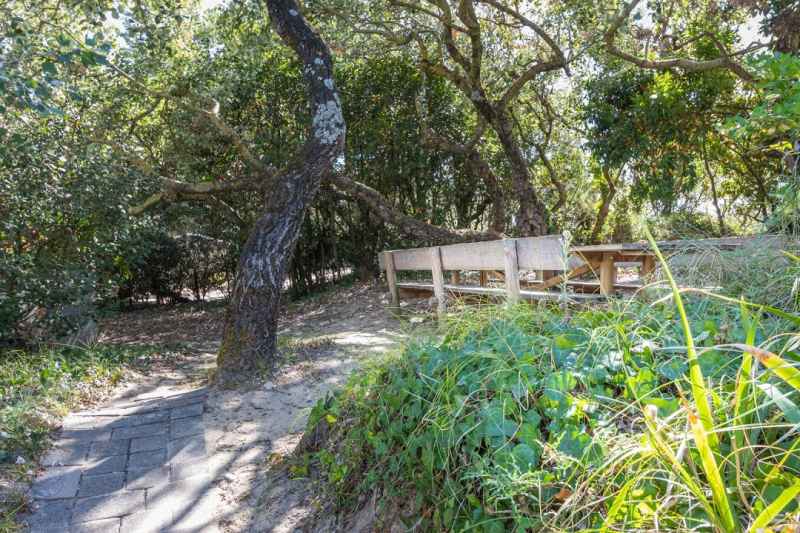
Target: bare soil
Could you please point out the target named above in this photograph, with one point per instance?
(250, 432)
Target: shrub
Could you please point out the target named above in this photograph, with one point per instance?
(532, 419)
(37, 388)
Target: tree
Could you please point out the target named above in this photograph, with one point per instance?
(454, 43)
(249, 339)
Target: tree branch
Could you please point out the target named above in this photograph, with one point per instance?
(687, 65)
(406, 224)
(178, 191)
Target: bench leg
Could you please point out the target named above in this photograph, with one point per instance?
(391, 279)
(648, 266)
(511, 270)
(438, 280)
(608, 275)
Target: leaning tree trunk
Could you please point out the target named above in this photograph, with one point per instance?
(249, 339)
(531, 218)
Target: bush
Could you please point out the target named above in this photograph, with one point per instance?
(526, 419)
(37, 388)
(161, 266)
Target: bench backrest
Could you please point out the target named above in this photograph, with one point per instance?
(533, 253)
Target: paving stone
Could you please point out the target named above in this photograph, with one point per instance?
(74, 436)
(108, 525)
(106, 449)
(186, 400)
(108, 506)
(144, 444)
(77, 421)
(187, 449)
(67, 455)
(145, 459)
(183, 427)
(157, 415)
(194, 409)
(144, 478)
(50, 514)
(104, 465)
(83, 421)
(122, 421)
(57, 482)
(140, 431)
(149, 418)
(101, 484)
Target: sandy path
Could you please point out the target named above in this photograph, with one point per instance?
(245, 430)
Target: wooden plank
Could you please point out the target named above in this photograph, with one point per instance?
(724, 243)
(608, 274)
(511, 270)
(540, 253)
(594, 286)
(532, 253)
(648, 266)
(391, 278)
(558, 280)
(438, 279)
(544, 275)
(412, 259)
(496, 292)
(473, 256)
(484, 277)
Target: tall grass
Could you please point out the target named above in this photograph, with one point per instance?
(676, 416)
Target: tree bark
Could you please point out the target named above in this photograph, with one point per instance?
(605, 206)
(249, 339)
(531, 217)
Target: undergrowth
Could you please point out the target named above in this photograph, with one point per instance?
(36, 390)
(606, 419)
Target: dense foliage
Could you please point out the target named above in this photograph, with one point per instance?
(535, 419)
(103, 101)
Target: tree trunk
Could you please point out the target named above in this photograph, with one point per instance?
(605, 207)
(249, 339)
(531, 219)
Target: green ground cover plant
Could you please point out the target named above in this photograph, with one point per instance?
(679, 414)
(37, 388)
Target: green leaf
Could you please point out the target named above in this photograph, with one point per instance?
(789, 408)
(773, 509)
(526, 457)
(49, 68)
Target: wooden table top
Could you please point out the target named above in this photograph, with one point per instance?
(724, 243)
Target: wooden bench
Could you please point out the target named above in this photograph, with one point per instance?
(544, 255)
(508, 256)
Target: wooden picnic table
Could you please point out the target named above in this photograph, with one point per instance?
(602, 258)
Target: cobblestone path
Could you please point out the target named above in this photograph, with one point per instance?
(136, 465)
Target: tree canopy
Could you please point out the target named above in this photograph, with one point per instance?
(125, 125)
